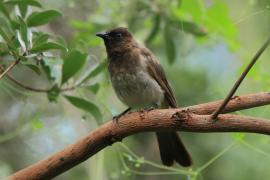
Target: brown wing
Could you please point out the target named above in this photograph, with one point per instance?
(170, 146)
(157, 72)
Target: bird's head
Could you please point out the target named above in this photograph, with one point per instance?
(116, 38)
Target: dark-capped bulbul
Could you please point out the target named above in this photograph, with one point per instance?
(140, 82)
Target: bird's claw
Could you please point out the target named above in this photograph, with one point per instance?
(142, 111)
(117, 117)
(149, 109)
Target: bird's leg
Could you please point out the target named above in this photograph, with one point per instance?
(147, 109)
(115, 118)
(150, 108)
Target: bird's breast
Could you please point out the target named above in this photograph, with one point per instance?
(137, 88)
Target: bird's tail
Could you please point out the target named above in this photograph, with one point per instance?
(172, 149)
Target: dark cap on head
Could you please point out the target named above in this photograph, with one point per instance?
(115, 34)
(117, 38)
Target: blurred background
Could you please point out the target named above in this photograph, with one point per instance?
(203, 46)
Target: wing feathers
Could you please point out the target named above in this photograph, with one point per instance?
(157, 72)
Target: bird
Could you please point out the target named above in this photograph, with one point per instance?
(139, 81)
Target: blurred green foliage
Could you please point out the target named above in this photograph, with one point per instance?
(34, 48)
(203, 46)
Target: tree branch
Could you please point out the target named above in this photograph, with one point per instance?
(12, 65)
(18, 83)
(236, 103)
(33, 89)
(181, 119)
(241, 78)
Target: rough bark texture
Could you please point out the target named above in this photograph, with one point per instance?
(193, 119)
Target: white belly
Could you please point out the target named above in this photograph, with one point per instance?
(138, 90)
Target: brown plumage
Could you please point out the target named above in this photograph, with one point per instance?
(140, 82)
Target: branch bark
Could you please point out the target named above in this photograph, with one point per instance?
(11, 66)
(236, 103)
(181, 119)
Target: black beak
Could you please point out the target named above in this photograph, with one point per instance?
(103, 35)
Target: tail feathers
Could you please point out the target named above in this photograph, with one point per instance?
(172, 149)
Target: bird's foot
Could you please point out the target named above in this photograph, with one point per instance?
(149, 109)
(142, 111)
(117, 117)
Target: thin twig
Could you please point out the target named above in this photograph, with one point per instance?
(203, 167)
(25, 86)
(12, 65)
(39, 90)
(240, 79)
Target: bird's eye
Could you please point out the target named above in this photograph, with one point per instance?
(118, 35)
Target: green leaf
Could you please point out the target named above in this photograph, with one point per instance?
(155, 29)
(85, 105)
(41, 18)
(53, 94)
(23, 30)
(189, 27)
(95, 71)
(33, 68)
(24, 2)
(46, 46)
(193, 28)
(15, 25)
(4, 35)
(192, 8)
(40, 39)
(23, 9)
(3, 49)
(169, 44)
(47, 70)
(73, 62)
(93, 88)
(51, 68)
(15, 43)
(4, 10)
(219, 21)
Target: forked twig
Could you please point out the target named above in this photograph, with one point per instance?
(240, 79)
